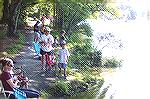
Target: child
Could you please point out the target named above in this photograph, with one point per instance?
(62, 37)
(55, 44)
(63, 55)
(23, 81)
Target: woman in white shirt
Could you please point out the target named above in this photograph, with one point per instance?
(46, 44)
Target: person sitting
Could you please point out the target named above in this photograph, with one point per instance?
(8, 82)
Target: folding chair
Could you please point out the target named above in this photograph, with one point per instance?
(4, 92)
(17, 93)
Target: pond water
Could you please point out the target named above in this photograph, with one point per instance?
(132, 80)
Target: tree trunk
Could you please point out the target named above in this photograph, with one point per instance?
(5, 11)
(12, 20)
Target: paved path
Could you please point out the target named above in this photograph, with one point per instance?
(32, 67)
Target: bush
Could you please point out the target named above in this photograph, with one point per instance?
(89, 79)
(21, 23)
(60, 88)
(82, 57)
(113, 62)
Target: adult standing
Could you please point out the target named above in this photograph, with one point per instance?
(37, 35)
(46, 44)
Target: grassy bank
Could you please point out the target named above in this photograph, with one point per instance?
(12, 46)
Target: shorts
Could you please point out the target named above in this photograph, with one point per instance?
(49, 53)
(62, 65)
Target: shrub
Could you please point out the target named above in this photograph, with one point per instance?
(89, 79)
(82, 57)
(60, 88)
(112, 62)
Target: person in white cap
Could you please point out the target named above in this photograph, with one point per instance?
(46, 44)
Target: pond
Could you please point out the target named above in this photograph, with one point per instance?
(131, 82)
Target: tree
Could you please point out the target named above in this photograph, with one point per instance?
(11, 12)
(10, 15)
(5, 11)
(13, 17)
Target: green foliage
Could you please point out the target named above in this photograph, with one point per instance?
(86, 85)
(44, 94)
(92, 91)
(21, 39)
(85, 29)
(1, 8)
(38, 10)
(112, 62)
(60, 88)
(97, 58)
(16, 46)
(74, 13)
(84, 56)
(3, 31)
(89, 79)
(21, 23)
(2, 34)
(81, 1)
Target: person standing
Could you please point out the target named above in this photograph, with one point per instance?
(63, 56)
(62, 37)
(46, 44)
(37, 35)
